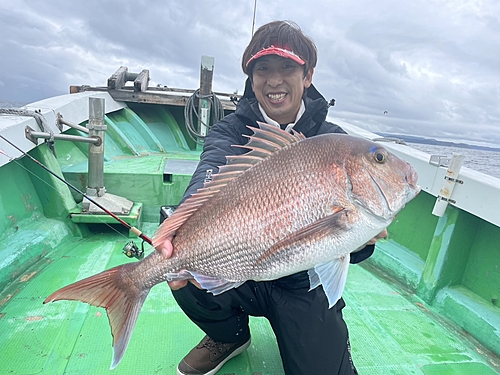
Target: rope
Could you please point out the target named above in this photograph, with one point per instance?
(40, 120)
(216, 113)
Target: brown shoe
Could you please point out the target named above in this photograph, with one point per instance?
(209, 356)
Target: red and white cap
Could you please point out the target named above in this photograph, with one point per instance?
(280, 51)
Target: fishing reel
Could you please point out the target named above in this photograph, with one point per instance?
(132, 251)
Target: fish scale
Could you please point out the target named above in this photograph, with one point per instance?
(289, 204)
(283, 207)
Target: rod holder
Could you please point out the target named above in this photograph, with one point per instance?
(96, 127)
(450, 180)
(95, 182)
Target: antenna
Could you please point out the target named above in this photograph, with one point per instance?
(254, 10)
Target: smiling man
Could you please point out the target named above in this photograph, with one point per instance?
(278, 84)
(313, 339)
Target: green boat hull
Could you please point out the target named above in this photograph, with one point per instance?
(426, 303)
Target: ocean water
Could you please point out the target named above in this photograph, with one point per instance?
(487, 162)
(7, 104)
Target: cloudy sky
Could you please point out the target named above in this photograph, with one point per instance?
(434, 66)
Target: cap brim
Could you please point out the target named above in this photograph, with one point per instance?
(276, 51)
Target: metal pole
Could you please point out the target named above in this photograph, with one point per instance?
(254, 11)
(61, 120)
(97, 127)
(33, 135)
(206, 77)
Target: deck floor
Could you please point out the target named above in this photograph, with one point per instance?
(392, 332)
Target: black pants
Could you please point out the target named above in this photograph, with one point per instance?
(312, 338)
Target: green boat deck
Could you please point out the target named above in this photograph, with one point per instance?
(392, 331)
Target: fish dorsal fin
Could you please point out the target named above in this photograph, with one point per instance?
(266, 140)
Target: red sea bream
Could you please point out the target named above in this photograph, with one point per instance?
(290, 204)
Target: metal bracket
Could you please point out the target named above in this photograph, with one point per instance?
(439, 160)
(27, 133)
(33, 136)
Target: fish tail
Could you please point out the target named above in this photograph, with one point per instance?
(114, 290)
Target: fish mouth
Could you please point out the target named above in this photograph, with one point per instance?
(411, 191)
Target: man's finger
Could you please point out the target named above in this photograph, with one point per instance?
(176, 285)
(166, 249)
(374, 240)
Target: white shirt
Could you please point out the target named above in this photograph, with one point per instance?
(290, 126)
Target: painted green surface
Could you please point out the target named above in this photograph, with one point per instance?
(482, 274)
(166, 127)
(413, 227)
(399, 262)
(126, 125)
(34, 238)
(476, 317)
(18, 201)
(134, 218)
(54, 195)
(460, 275)
(71, 153)
(448, 252)
(391, 330)
(27, 232)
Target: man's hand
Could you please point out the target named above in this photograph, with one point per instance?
(374, 240)
(166, 249)
(382, 234)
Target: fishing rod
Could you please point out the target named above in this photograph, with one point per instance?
(134, 230)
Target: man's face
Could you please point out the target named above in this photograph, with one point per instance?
(278, 84)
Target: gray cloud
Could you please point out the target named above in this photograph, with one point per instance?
(434, 66)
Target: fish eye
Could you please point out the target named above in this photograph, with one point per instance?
(380, 156)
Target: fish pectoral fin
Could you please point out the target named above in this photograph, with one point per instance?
(321, 228)
(215, 285)
(333, 277)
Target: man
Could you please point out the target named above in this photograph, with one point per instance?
(312, 338)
